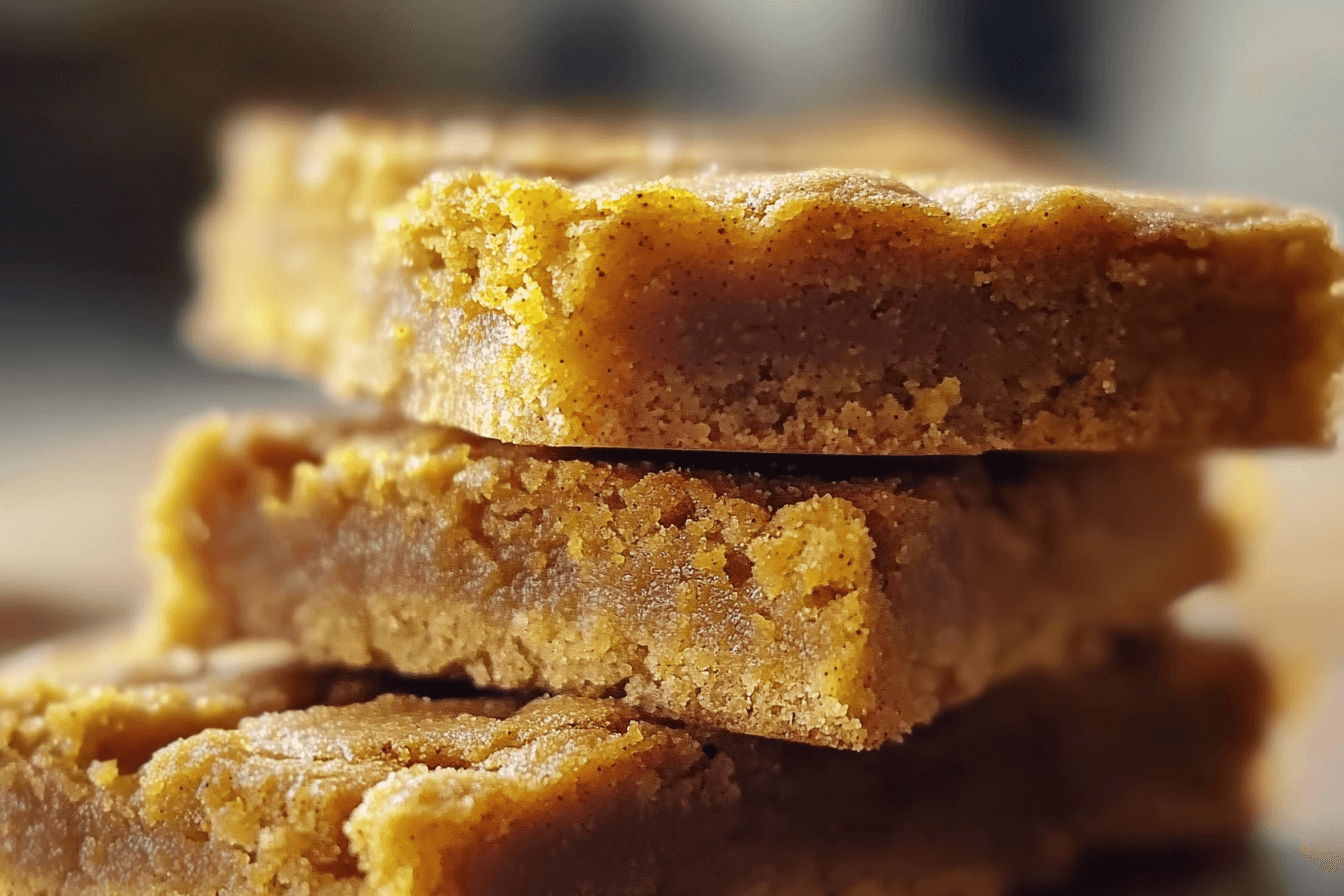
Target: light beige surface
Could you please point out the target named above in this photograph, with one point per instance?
(77, 456)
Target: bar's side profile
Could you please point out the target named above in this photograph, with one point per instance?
(827, 311)
(831, 601)
(405, 796)
(301, 192)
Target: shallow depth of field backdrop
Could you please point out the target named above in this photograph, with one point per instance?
(106, 115)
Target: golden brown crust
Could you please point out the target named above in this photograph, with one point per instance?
(402, 796)
(834, 601)
(818, 311)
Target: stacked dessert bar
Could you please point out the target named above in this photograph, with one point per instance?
(724, 532)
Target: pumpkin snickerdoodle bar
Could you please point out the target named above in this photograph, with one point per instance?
(816, 311)
(835, 601)
(198, 786)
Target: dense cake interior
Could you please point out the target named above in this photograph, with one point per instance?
(829, 600)
(851, 311)
(154, 788)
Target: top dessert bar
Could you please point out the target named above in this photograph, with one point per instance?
(514, 294)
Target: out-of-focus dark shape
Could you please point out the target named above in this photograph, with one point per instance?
(1029, 56)
(107, 111)
(592, 50)
(103, 145)
(1228, 869)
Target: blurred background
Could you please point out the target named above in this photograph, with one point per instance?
(106, 119)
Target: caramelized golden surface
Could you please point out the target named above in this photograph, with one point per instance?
(817, 311)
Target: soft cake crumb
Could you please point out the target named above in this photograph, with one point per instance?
(565, 293)
(834, 601)
(197, 786)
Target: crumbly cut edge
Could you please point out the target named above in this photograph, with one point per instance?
(811, 572)
(369, 351)
(545, 275)
(443, 796)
